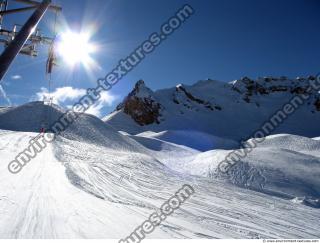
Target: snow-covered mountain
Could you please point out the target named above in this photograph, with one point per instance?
(228, 110)
(96, 182)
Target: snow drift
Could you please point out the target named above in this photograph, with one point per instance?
(286, 166)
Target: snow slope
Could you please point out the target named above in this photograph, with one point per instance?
(63, 194)
(94, 182)
(193, 139)
(227, 110)
(33, 116)
(286, 166)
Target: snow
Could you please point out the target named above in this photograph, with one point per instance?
(236, 120)
(95, 182)
(28, 118)
(193, 139)
(41, 202)
(144, 91)
(284, 165)
(63, 194)
(3, 109)
(126, 124)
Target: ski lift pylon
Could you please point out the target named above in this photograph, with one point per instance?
(51, 62)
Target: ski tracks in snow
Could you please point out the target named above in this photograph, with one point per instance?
(73, 190)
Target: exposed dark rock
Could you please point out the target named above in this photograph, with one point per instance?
(247, 99)
(299, 90)
(144, 108)
(247, 80)
(141, 107)
(317, 104)
(192, 98)
(278, 89)
(236, 89)
(264, 86)
(262, 90)
(176, 101)
(143, 111)
(301, 79)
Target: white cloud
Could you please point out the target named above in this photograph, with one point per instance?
(16, 77)
(67, 96)
(61, 95)
(107, 99)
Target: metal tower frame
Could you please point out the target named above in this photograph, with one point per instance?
(24, 41)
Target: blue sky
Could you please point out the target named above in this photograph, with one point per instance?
(224, 40)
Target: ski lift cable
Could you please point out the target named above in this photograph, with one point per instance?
(49, 67)
(51, 56)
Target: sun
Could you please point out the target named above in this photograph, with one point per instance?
(75, 48)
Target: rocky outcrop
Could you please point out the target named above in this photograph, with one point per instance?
(317, 104)
(269, 85)
(141, 105)
(299, 90)
(188, 98)
(146, 107)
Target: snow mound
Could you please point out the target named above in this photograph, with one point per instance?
(276, 167)
(279, 172)
(193, 139)
(122, 122)
(32, 117)
(291, 142)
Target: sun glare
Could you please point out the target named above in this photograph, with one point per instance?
(75, 48)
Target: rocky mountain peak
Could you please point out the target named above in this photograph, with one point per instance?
(141, 90)
(215, 99)
(270, 85)
(141, 105)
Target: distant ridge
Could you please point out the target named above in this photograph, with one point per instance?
(231, 110)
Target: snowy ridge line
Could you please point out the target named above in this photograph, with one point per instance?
(170, 109)
(267, 128)
(38, 144)
(155, 219)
